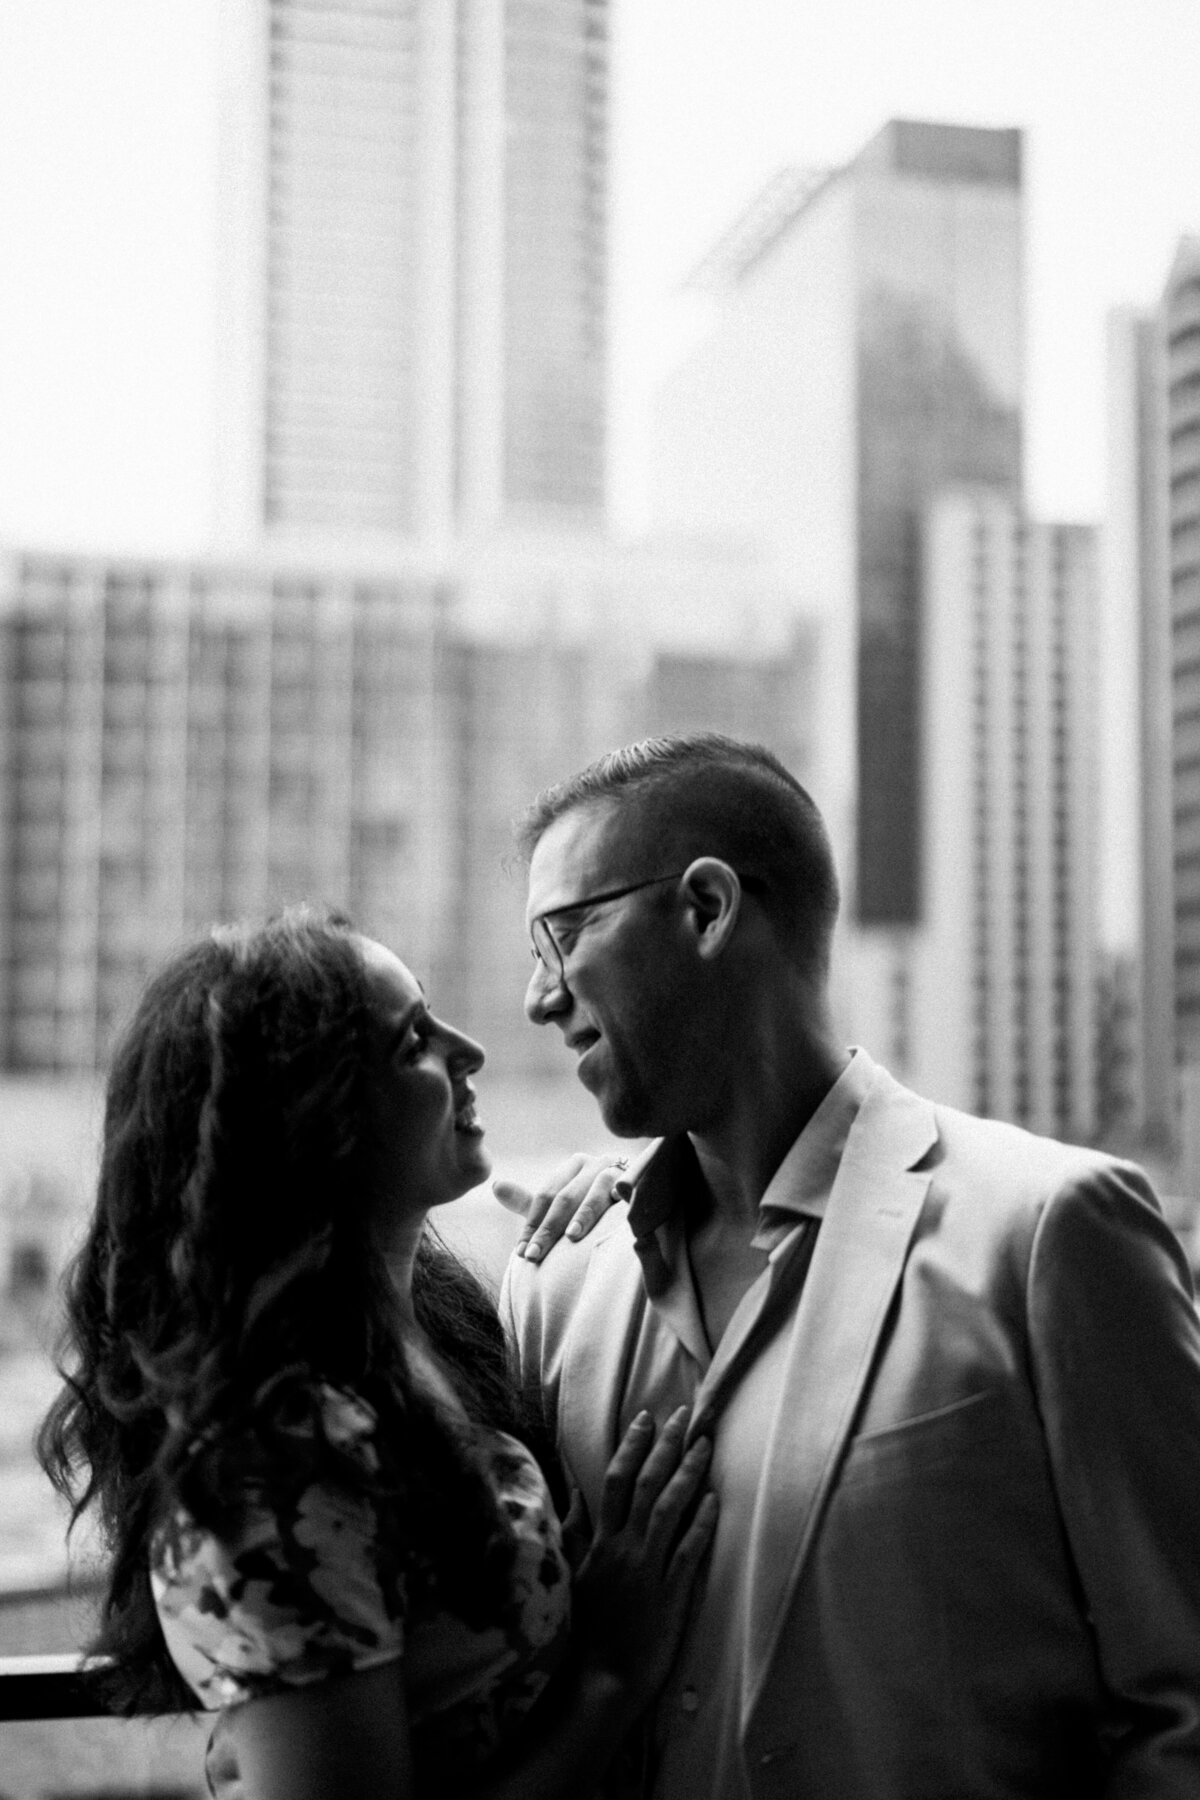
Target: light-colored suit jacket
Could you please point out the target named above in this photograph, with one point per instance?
(976, 1553)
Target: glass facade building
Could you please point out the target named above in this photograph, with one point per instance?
(867, 351)
(938, 401)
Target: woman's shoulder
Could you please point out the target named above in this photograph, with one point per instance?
(291, 1582)
(303, 1430)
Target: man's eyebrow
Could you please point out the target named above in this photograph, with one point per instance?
(567, 906)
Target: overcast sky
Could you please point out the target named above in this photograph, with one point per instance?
(107, 203)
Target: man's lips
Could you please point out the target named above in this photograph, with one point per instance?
(581, 1041)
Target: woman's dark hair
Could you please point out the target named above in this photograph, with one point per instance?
(228, 1272)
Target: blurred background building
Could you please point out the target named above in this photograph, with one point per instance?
(1002, 1010)
(866, 359)
(414, 266)
(190, 742)
(1181, 465)
(1152, 580)
(1138, 993)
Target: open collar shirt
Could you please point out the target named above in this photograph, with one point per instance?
(733, 1388)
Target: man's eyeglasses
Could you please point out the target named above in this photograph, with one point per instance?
(548, 953)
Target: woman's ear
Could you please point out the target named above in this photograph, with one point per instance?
(713, 898)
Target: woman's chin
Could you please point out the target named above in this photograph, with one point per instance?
(475, 1165)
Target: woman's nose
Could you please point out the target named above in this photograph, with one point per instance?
(464, 1052)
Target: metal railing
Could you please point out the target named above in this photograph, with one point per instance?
(37, 1685)
(49, 1687)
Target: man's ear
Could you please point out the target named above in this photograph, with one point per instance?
(713, 898)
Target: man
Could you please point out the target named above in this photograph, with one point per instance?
(952, 1370)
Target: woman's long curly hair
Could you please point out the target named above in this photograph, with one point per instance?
(229, 1270)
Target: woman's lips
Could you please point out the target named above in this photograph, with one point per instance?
(466, 1120)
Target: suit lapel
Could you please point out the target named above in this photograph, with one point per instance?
(859, 1256)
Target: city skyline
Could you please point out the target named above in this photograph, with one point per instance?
(108, 128)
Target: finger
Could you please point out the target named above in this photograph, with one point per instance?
(514, 1198)
(657, 1469)
(608, 1186)
(558, 1218)
(531, 1203)
(576, 1529)
(622, 1472)
(691, 1548)
(677, 1498)
(538, 1202)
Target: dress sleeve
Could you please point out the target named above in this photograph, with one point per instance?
(300, 1592)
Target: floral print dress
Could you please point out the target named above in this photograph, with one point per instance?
(308, 1590)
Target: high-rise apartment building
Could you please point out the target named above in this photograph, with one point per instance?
(186, 743)
(1000, 1016)
(1136, 835)
(867, 351)
(1181, 327)
(413, 287)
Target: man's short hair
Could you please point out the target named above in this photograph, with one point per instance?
(708, 795)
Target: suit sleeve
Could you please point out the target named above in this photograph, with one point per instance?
(521, 1314)
(515, 1320)
(1115, 1345)
(508, 1316)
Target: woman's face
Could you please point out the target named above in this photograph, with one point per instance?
(423, 1144)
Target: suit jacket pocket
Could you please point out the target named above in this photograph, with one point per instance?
(942, 1439)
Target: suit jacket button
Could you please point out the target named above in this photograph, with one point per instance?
(689, 1700)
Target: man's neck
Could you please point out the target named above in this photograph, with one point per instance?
(741, 1153)
(737, 1163)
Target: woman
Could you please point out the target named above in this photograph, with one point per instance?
(292, 1406)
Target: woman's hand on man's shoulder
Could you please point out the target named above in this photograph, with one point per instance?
(572, 1199)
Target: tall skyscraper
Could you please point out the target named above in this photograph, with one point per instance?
(868, 350)
(1181, 325)
(413, 284)
(1000, 1016)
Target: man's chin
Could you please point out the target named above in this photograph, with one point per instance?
(621, 1112)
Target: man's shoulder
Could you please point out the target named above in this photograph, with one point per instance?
(1012, 1164)
(991, 1174)
(1017, 1151)
(553, 1285)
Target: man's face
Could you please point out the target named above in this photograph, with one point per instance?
(622, 998)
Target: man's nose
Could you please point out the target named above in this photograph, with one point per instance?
(545, 994)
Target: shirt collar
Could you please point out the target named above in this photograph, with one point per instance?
(800, 1185)
(804, 1179)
